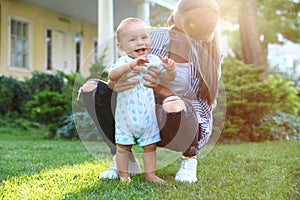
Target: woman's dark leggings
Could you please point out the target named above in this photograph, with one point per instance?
(179, 131)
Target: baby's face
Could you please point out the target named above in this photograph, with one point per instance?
(135, 41)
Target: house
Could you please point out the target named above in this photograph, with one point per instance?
(45, 36)
(285, 58)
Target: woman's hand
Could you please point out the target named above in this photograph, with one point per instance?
(154, 83)
(152, 78)
(123, 83)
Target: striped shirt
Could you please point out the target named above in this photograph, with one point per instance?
(160, 44)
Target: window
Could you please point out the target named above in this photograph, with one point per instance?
(49, 48)
(19, 31)
(95, 51)
(62, 51)
(78, 44)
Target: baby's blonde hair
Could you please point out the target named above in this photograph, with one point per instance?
(122, 27)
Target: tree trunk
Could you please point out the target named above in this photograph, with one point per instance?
(249, 35)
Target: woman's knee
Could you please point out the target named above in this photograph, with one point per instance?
(90, 85)
(173, 104)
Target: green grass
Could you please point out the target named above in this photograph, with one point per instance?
(34, 168)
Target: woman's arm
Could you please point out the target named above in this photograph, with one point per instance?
(154, 79)
(122, 85)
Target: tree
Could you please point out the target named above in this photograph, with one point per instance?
(269, 19)
(278, 18)
(249, 35)
(244, 13)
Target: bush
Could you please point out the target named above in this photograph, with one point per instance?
(43, 81)
(287, 99)
(74, 82)
(13, 95)
(13, 120)
(66, 128)
(253, 104)
(280, 126)
(49, 108)
(44, 98)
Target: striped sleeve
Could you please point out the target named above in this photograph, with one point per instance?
(160, 41)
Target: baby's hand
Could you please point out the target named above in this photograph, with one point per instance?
(138, 62)
(167, 63)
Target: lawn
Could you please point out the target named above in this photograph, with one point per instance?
(34, 168)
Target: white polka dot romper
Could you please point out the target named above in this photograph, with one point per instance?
(135, 110)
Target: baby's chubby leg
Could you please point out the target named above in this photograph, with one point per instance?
(149, 158)
(122, 156)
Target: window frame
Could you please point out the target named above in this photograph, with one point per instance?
(27, 68)
(78, 61)
(95, 50)
(47, 49)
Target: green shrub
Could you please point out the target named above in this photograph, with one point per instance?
(280, 126)
(74, 82)
(13, 95)
(44, 98)
(49, 108)
(253, 103)
(66, 128)
(286, 95)
(42, 81)
(14, 120)
(52, 98)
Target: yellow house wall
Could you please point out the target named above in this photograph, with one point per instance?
(41, 19)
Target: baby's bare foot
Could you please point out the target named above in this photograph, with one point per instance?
(155, 179)
(125, 179)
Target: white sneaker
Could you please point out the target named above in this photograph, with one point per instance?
(187, 171)
(112, 172)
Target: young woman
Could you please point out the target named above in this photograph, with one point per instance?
(185, 111)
